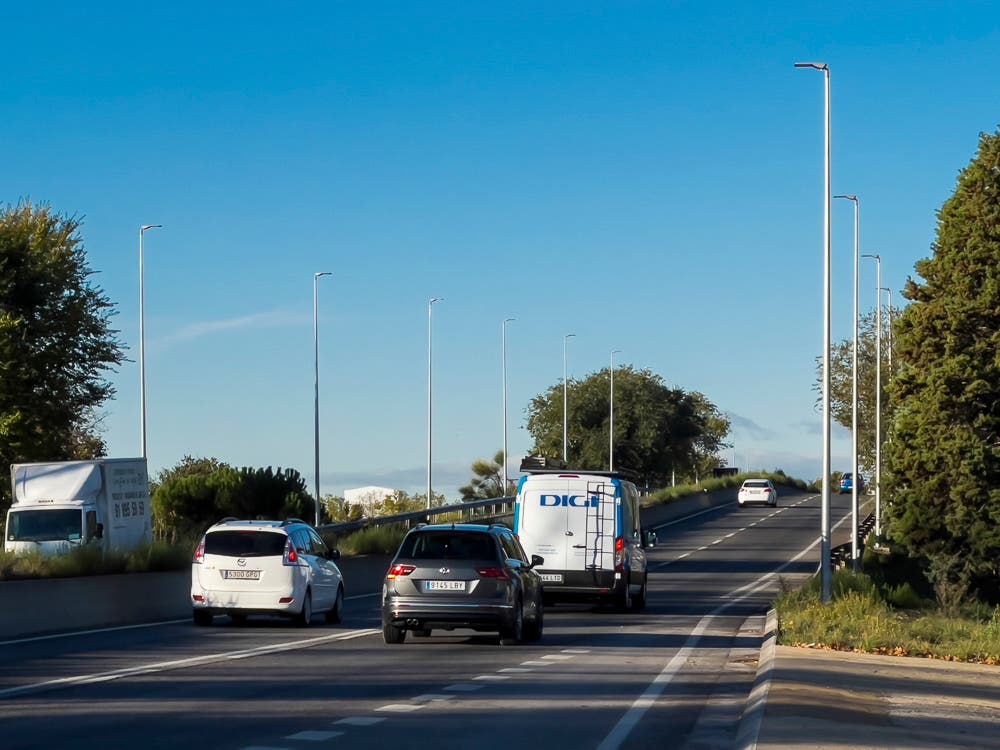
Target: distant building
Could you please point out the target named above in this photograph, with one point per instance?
(368, 496)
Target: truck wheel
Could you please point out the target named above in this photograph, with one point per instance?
(202, 617)
(623, 601)
(639, 602)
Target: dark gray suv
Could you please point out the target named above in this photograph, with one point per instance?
(449, 576)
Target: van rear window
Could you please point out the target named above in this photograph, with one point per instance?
(238, 543)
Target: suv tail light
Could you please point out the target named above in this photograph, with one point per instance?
(397, 571)
(291, 557)
(492, 572)
(619, 554)
(199, 553)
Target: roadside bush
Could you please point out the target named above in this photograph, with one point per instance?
(91, 561)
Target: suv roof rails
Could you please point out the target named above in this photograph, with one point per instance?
(499, 525)
(227, 519)
(291, 520)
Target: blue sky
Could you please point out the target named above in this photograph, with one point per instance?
(647, 176)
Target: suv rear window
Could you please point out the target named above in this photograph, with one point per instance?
(448, 545)
(239, 543)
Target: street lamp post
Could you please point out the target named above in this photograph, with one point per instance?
(826, 572)
(878, 393)
(503, 377)
(855, 557)
(316, 384)
(565, 400)
(142, 341)
(888, 299)
(611, 420)
(430, 305)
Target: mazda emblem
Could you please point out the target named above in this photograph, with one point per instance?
(241, 562)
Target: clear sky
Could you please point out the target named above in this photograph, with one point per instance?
(645, 175)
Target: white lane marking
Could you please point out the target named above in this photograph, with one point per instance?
(496, 677)
(463, 687)
(431, 698)
(681, 557)
(576, 650)
(515, 670)
(400, 708)
(536, 663)
(194, 661)
(730, 534)
(36, 638)
(702, 549)
(360, 721)
(619, 733)
(314, 736)
(558, 657)
(361, 596)
(688, 518)
(716, 541)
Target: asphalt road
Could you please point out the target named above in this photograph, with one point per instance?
(674, 675)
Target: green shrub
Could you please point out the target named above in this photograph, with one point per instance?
(904, 597)
(373, 540)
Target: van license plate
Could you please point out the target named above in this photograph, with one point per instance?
(444, 585)
(552, 578)
(247, 575)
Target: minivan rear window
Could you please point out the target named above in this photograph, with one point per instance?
(239, 543)
(448, 545)
(750, 483)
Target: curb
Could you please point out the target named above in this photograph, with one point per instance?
(748, 732)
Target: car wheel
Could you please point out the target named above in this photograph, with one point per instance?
(335, 615)
(304, 618)
(639, 602)
(202, 617)
(514, 635)
(238, 618)
(533, 630)
(392, 634)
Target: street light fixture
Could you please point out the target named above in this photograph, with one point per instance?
(611, 421)
(878, 394)
(142, 341)
(855, 555)
(826, 572)
(503, 377)
(316, 277)
(565, 399)
(430, 305)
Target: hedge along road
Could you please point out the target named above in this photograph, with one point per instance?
(598, 677)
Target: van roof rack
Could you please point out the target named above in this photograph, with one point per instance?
(541, 463)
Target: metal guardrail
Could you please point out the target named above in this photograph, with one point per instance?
(491, 508)
(840, 556)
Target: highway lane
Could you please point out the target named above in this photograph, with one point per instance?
(597, 679)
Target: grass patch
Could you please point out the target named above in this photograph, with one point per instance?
(92, 561)
(670, 494)
(861, 616)
(373, 540)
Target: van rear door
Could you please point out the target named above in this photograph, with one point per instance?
(543, 520)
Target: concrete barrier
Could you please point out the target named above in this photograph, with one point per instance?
(40, 607)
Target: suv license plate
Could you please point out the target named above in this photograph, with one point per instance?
(552, 578)
(248, 575)
(444, 585)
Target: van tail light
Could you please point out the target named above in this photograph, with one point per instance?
(492, 572)
(619, 554)
(398, 571)
(199, 553)
(291, 557)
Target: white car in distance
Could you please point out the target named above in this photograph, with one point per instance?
(757, 491)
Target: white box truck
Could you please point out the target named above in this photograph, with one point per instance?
(586, 526)
(61, 505)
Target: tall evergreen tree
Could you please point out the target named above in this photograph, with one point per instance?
(943, 451)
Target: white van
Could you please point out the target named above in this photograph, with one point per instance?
(586, 526)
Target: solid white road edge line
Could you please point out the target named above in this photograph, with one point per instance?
(194, 661)
(620, 732)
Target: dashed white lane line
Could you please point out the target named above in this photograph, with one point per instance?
(716, 541)
(431, 698)
(558, 657)
(576, 650)
(702, 549)
(360, 721)
(730, 534)
(494, 677)
(313, 736)
(400, 708)
(463, 687)
(515, 670)
(536, 663)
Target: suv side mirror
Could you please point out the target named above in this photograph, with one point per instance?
(537, 560)
(649, 539)
(333, 554)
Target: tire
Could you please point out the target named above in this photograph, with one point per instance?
(514, 635)
(624, 601)
(238, 618)
(202, 617)
(304, 618)
(392, 634)
(422, 633)
(533, 630)
(639, 602)
(335, 615)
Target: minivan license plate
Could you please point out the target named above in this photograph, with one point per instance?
(444, 585)
(248, 575)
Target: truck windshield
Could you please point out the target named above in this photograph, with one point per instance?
(45, 525)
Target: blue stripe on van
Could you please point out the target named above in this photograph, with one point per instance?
(517, 503)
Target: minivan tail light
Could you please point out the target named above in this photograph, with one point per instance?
(619, 553)
(291, 557)
(397, 571)
(492, 572)
(199, 553)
